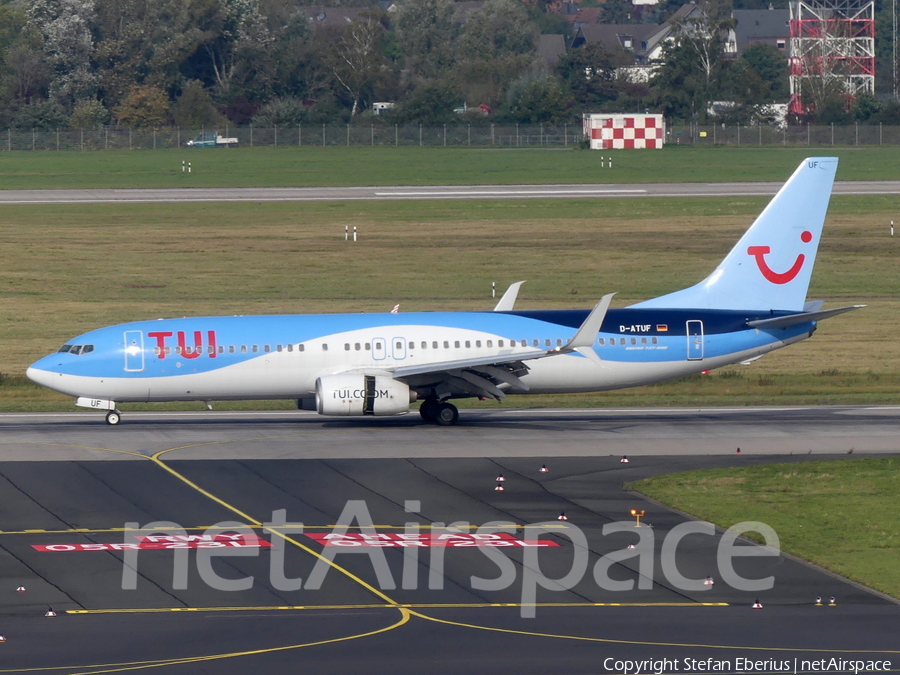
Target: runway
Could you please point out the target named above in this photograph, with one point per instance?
(388, 193)
(68, 501)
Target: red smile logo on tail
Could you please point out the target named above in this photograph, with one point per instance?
(759, 252)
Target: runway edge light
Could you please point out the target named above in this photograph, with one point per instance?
(624, 460)
(818, 601)
(709, 581)
(500, 478)
(2, 638)
(544, 468)
(20, 589)
(50, 612)
(757, 605)
(562, 516)
(831, 602)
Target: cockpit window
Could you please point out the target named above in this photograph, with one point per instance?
(77, 350)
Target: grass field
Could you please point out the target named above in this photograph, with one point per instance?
(65, 269)
(339, 166)
(841, 514)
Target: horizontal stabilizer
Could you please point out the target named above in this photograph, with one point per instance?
(794, 319)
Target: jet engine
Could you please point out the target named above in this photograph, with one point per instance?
(354, 394)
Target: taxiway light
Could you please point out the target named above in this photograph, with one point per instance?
(757, 605)
(630, 545)
(499, 487)
(2, 638)
(638, 515)
(624, 460)
(49, 612)
(544, 468)
(500, 478)
(818, 601)
(562, 516)
(709, 581)
(831, 602)
(20, 589)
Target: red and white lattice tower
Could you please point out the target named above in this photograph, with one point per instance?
(832, 51)
(624, 131)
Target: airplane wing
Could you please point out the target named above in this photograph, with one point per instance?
(804, 317)
(508, 302)
(480, 375)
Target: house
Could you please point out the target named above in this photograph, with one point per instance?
(643, 40)
(767, 26)
(320, 16)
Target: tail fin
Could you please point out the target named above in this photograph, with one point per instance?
(771, 265)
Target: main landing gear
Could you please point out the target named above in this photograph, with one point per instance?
(113, 417)
(439, 412)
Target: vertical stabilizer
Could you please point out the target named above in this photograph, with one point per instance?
(771, 265)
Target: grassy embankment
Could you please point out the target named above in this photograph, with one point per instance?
(342, 166)
(65, 269)
(840, 514)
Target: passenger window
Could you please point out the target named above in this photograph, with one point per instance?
(601, 341)
(424, 345)
(558, 342)
(156, 351)
(231, 349)
(634, 341)
(456, 344)
(434, 344)
(277, 348)
(301, 347)
(468, 345)
(210, 350)
(324, 346)
(357, 346)
(398, 346)
(290, 348)
(368, 346)
(654, 340)
(412, 344)
(168, 350)
(266, 349)
(378, 346)
(524, 343)
(243, 349)
(643, 340)
(500, 343)
(621, 341)
(477, 343)
(346, 346)
(177, 350)
(490, 343)
(221, 349)
(255, 349)
(446, 344)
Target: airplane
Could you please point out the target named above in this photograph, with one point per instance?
(352, 365)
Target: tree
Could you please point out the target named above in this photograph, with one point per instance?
(542, 101)
(703, 37)
(590, 74)
(430, 104)
(88, 113)
(426, 31)
(65, 26)
(194, 107)
(143, 107)
(357, 62)
(675, 87)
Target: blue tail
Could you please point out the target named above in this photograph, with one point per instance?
(771, 265)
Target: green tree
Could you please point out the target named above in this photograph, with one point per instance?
(590, 74)
(356, 59)
(430, 104)
(426, 32)
(144, 107)
(542, 101)
(88, 113)
(194, 107)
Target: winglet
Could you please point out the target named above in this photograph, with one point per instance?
(586, 334)
(508, 301)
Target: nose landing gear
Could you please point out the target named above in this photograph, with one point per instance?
(113, 417)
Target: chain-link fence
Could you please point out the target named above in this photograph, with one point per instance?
(494, 135)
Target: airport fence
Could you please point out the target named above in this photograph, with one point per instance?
(493, 135)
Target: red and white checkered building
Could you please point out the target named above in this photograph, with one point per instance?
(624, 132)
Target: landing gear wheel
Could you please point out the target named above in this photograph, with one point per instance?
(446, 415)
(113, 418)
(428, 409)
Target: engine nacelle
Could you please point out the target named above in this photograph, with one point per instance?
(353, 394)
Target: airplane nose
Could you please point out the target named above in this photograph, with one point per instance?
(39, 376)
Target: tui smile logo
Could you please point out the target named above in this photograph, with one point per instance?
(759, 253)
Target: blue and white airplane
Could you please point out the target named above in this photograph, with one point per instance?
(378, 364)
